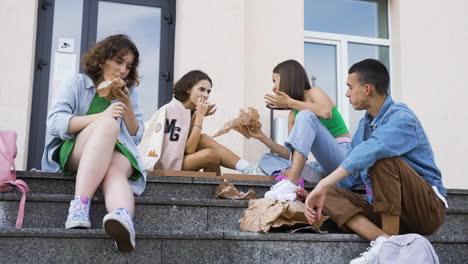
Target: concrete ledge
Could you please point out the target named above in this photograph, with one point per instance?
(231, 235)
(93, 246)
(182, 179)
(174, 173)
(39, 197)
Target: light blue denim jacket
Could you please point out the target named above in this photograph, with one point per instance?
(395, 131)
(74, 99)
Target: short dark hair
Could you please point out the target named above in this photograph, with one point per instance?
(187, 82)
(112, 47)
(293, 79)
(373, 72)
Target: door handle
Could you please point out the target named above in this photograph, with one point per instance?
(41, 64)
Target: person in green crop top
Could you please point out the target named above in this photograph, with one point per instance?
(314, 125)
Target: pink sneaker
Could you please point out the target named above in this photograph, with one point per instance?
(281, 177)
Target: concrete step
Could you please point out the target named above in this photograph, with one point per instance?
(182, 187)
(159, 213)
(161, 186)
(44, 245)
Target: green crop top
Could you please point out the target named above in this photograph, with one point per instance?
(335, 125)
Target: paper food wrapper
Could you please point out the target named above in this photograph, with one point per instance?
(108, 89)
(227, 190)
(263, 214)
(247, 119)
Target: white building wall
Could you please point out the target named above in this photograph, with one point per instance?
(210, 37)
(18, 34)
(430, 41)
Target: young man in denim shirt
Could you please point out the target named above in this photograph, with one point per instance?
(391, 155)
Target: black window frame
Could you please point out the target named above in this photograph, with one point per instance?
(37, 129)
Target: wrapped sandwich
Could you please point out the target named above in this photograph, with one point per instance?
(108, 89)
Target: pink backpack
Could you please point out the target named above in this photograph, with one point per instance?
(8, 171)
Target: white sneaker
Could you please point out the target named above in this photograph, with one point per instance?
(253, 169)
(282, 191)
(119, 226)
(78, 213)
(370, 256)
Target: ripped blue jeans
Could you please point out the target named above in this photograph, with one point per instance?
(309, 135)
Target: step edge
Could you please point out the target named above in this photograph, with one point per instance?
(61, 198)
(194, 180)
(149, 200)
(210, 235)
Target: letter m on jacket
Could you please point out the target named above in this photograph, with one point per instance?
(172, 128)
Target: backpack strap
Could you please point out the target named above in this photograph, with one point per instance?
(19, 184)
(23, 188)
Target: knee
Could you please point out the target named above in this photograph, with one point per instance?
(204, 138)
(385, 163)
(306, 115)
(107, 125)
(212, 157)
(208, 142)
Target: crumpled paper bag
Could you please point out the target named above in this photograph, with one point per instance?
(247, 119)
(227, 190)
(263, 214)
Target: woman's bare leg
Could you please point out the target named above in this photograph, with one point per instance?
(117, 190)
(228, 158)
(298, 163)
(92, 155)
(207, 159)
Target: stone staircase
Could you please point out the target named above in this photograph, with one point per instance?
(178, 221)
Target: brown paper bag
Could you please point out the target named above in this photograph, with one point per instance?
(263, 214)
(247, 119)
(227, 190)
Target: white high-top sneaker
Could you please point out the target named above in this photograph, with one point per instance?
(282, 191)
(370, 256)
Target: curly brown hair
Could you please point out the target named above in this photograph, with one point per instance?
(112, 47)
(186, 83)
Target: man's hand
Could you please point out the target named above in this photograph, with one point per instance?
(301, 194)
(315, 200)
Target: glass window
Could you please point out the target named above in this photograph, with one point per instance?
(143, 25)
(367, 18)
(321, 67)
(359, 30)
(66, 43)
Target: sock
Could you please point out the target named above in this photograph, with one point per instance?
(242, 164)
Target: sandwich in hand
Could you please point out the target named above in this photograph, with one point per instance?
(108, 89)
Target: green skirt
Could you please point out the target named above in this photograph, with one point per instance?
(98, 105)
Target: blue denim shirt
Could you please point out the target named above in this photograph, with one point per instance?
(395, 131)
(74, 99)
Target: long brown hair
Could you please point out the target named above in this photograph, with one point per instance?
(112, 47)
(293, 79)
